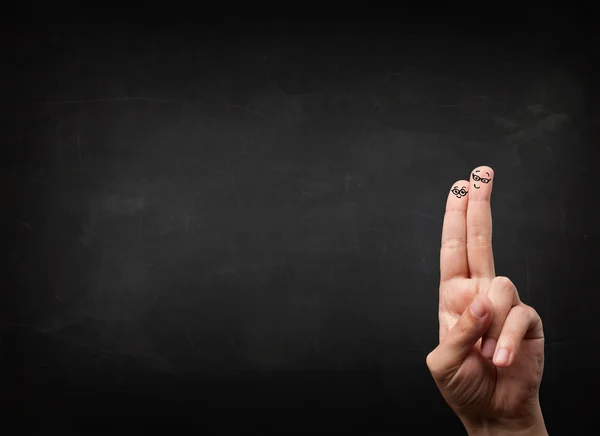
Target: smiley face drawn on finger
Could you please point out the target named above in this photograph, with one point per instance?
(459, 192)
(476, 178)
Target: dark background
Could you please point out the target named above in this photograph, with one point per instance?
(215, 219)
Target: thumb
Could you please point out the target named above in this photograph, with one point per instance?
(459, 341)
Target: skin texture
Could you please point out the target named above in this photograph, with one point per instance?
(490, 395)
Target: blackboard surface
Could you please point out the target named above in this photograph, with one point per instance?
(238, 222)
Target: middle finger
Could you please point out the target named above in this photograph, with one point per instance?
(479, 224)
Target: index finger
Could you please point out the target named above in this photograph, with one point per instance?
(453, 253)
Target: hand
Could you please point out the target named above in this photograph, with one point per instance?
(490, 358)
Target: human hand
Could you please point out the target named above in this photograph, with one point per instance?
(490, 358)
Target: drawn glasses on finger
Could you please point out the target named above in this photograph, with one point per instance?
(460, 193)
(476, 178)
(480, 179)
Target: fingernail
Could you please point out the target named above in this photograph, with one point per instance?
(502, 356)
(489, 345)
(478, 308)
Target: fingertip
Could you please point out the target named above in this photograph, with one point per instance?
(484, 170)
(502, 357)
(502, 282)
(481, 181)
(458, 191)
(479, 308)
(482, 309)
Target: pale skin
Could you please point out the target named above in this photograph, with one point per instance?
(490, 358)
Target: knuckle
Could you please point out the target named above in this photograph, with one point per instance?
(436, 366)
(429, 359)
(527, 311)
(505, 287)
(460, 331)
(530, 311)
(432, 364)
(539, 320)
(453, 243)
(479, 241)
(533, 313)
(503, 282)
(534, 316)
(521, 310)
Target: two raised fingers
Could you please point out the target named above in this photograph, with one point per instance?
(467, 230)
(513, 321)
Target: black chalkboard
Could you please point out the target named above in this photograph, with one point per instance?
(245, 222)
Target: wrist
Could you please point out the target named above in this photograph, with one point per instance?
(529, 425)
